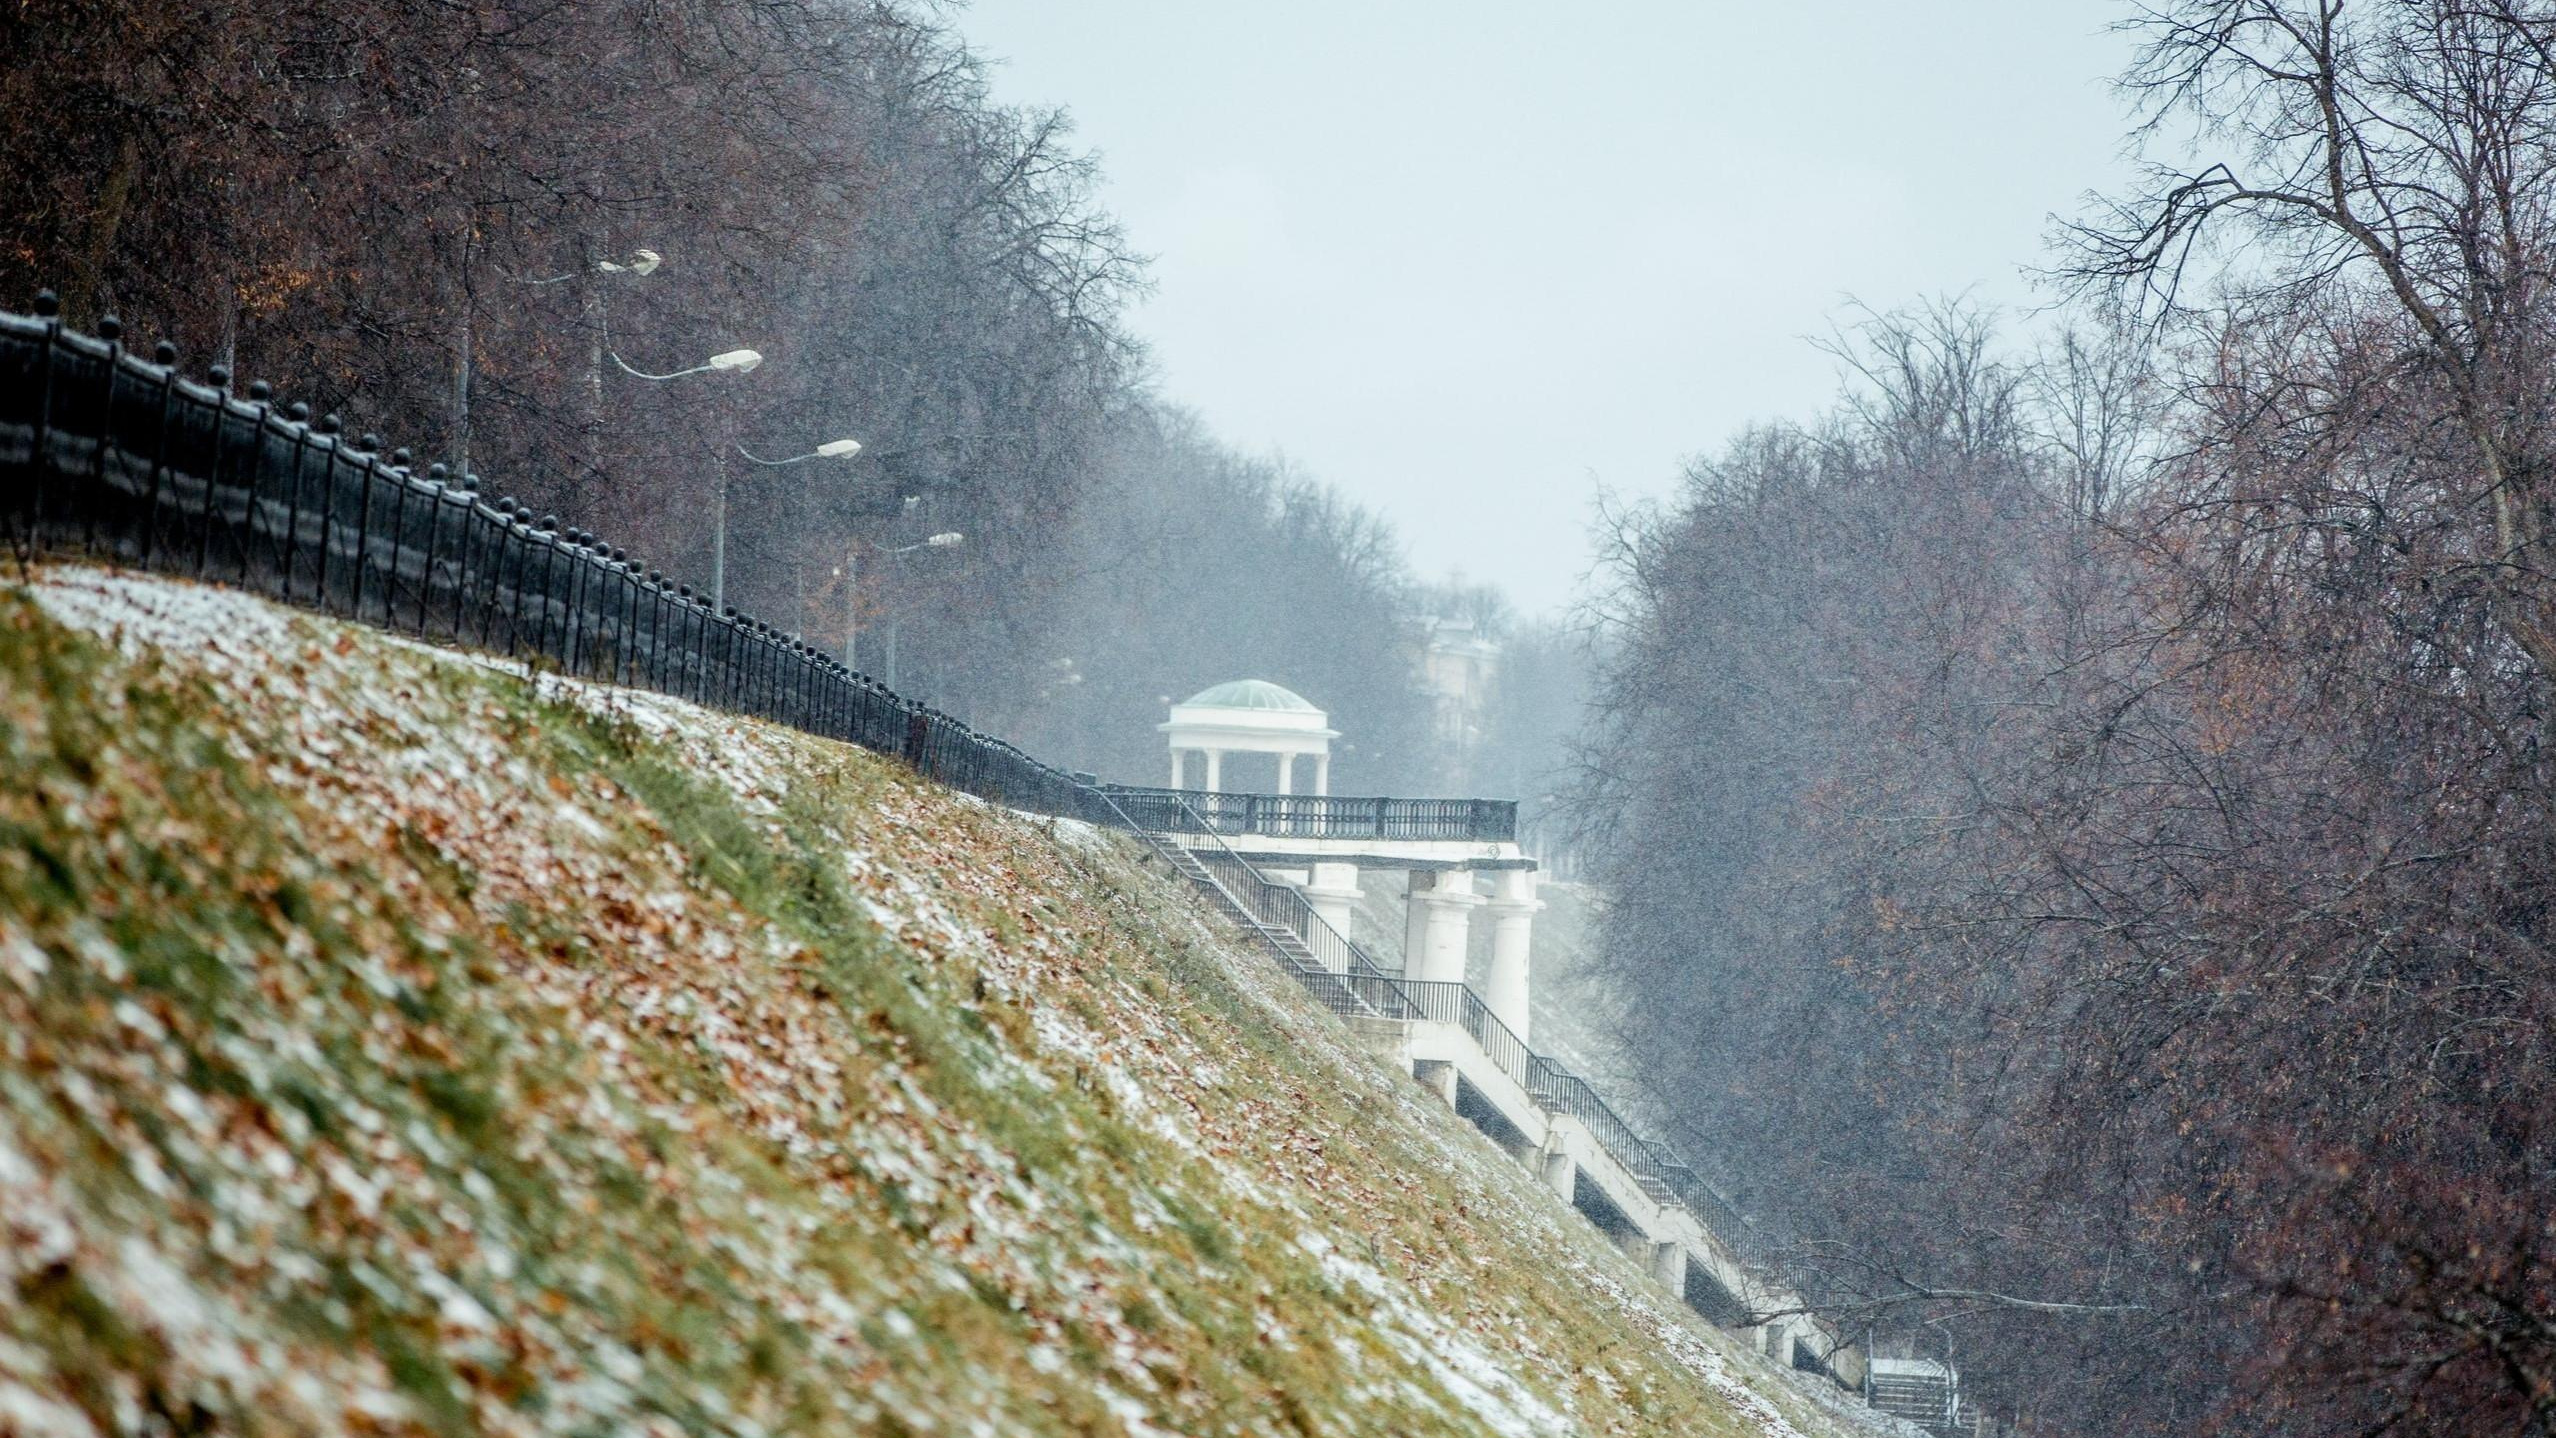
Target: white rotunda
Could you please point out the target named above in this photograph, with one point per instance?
(1248, 716)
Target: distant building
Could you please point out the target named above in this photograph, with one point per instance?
(1458, 666)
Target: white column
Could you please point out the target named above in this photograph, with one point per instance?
(1286, 771)
(1334, 895)
(1668, 1265)
(1559, 1172)
(1415, 922)
(1512, 908)
(1442, 909)
(1215, 769)
(1177, 756)
(1438, 1076)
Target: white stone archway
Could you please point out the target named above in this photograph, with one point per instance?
(1249, 716)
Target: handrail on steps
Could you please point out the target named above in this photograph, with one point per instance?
(1301, 917)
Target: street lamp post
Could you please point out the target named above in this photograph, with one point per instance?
(719, 526)
(598, 334)
(947, 539)
(736, 361)
(831, 449)
(643, 263)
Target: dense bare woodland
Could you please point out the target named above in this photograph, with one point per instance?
(2078, 817)
(456, 224)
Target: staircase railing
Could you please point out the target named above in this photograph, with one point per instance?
(1347, 980)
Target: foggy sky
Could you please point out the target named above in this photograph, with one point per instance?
(1469, 259)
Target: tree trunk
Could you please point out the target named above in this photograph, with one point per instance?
(2520, 537)
(82, 303)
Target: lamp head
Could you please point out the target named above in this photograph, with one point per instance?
(738, 361)
(838, 449)
(947, 539)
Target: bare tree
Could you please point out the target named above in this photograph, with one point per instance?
(2405, 153)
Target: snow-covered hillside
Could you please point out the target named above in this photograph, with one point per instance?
(390, 1042)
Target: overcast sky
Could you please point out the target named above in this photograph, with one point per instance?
(1471, 259)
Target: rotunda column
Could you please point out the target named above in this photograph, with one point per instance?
(1512, 908)
(1440, 911)
(1334, 895)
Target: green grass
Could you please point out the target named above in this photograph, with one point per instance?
(589, 1095)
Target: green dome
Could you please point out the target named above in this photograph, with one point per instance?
(1249, 694)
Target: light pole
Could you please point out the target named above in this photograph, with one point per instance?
(736, 361)
(643, 263)
(947, 539)
(831, 449)
(598, 327)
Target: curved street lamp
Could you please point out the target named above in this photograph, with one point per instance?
(643, 263)
(738, 361)
(831, 449)
(946, 539)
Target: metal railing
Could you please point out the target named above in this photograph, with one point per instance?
(1556, 1089)
(109, 456)
(1327, 816)
(1263, 900)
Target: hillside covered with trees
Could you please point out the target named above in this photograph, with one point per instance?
(2079, 814)
(466, 226)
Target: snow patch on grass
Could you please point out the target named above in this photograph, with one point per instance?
(689, 1074)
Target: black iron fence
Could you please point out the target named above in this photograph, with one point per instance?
(108, 455)
(1324, 816)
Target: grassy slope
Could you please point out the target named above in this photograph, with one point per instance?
(391, 1044)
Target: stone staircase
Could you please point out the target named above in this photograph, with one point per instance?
(1283, 942)
(1280, 940)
